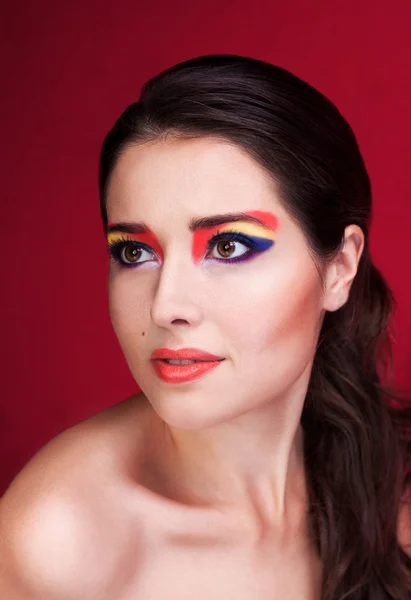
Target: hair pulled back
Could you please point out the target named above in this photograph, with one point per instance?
(356, 449)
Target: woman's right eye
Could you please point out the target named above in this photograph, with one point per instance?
(128, 254)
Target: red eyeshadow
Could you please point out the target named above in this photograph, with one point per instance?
(148, 238)
(201, 236)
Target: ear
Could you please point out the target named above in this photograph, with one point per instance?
(341, 271)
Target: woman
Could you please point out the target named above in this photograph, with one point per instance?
(263, 457)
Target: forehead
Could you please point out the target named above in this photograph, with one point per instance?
(196, 176)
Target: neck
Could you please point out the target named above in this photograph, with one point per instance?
(253, 464)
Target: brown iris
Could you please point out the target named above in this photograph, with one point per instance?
(131, 253)
(225, 247)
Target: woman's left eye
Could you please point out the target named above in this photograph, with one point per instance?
(227, 247)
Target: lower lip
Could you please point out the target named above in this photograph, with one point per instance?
(183, 373)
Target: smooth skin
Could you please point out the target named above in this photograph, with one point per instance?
(199, 489)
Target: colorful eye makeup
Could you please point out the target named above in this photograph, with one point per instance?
(258, 234)
(256, 230)
(140, 242)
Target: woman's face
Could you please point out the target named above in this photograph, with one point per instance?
(255, 300)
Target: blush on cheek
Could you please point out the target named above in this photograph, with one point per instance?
(279, 316)
(299, 325)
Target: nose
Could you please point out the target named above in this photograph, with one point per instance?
(176, 295)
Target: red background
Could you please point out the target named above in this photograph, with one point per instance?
(68, 70)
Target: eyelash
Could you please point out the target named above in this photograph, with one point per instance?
(115, 248)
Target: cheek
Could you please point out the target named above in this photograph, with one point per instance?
(274, 318)
(129, 309)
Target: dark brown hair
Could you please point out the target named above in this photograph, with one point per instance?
(356, 448)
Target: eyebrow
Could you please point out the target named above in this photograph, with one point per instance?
(195, 224)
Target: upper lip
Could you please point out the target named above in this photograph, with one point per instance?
(184, 354)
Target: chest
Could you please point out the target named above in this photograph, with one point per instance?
(170, 572)
(174, 552)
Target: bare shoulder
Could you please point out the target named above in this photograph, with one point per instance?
(62, 516)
